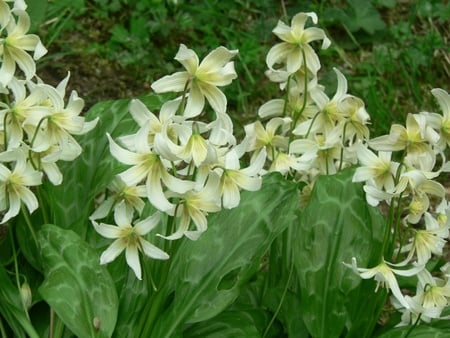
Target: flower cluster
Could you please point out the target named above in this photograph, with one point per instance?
(401, 169)
(181, 163)
(306, 133)
(36, 126)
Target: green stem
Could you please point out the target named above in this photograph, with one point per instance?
(43, 205)
(413, 326)
(153, 306)
(277, 311)
(26, 215)
(16, 272)
(305, 96)
(343, 145)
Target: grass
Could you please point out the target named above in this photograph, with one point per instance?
(391, 53)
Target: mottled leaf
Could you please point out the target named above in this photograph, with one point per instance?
(207, 274)
(420, 331)
(244, 323)
(336, 225)
(80, 291)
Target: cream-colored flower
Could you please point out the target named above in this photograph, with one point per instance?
(428, 241)
(15, 183)
(148, 166)
(384, 275)
(120, 192)
(295, 50)
(56, 125)
(130, 238)
(13, 116)
(232, 178)
(194, 206)
(379, 168)
(416, 137)
(15, 46)
(324, 148)
(441, 123)
(200, 79)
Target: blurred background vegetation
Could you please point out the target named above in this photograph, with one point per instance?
(392, 52)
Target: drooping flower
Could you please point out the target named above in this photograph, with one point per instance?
(120, 192)
(147, 166)
(129, 237)
(200, 79)
(295, 50)
(384, 274)
(15, 183)
(15, 46)
(379, 168)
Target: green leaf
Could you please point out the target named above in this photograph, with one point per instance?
(80, 291)
(421, 331)
(242, 323)
(11, 308)
(337, 225)
(207, 274)
(362, 15)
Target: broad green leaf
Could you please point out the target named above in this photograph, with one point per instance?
(11, 308)
(336, 225)
(91, 172)
(362, 15)
(80, 291)
(244, 323)
(420, 331)
(207, 274)
(288, 310)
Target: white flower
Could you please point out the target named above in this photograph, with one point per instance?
(384, 275)
(148, 166)
(130, 238)
(14, 184)
(233, 178)
(379, 168)
(441, 123)
(15, 46)
(428, 241)
(120, 192)
(296, 39)
(201, 80)
(194, 206)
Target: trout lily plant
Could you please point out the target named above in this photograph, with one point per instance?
(149, 218)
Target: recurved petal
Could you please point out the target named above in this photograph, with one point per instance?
(443, 99)
(294, 60)
(114, 250)
(140, 113)
(215, 97)
(24, 61)
(216, 59)
(122, 155)
(106, 230)
(171, 83)
(121, 216)
(14, 207)
(145, 226)
(278, 54)
(132, 257)
(7, 69)
(152, 251)
(313, 33)
(188, 59)
(195, 102)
